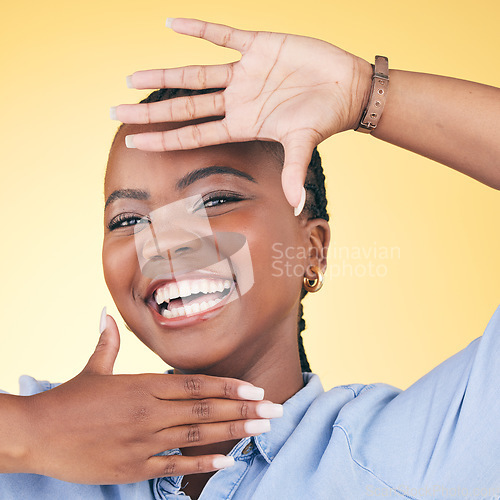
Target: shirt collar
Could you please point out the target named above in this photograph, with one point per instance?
(270, 443)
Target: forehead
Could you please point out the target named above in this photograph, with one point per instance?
(132, 168)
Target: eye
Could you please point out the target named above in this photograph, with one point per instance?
(214, 201)
(126, 220)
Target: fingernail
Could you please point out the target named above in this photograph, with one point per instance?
(269, 410)
(129, 141)
(298, 209)
(222, 462)
(128, 79)
(254, 427)
(250, 392)
(169, 22)
(103, 321)
(112, 113)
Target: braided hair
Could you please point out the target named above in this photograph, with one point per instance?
(314, 208)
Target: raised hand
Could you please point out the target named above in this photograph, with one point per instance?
(291, 89)
(101, 428)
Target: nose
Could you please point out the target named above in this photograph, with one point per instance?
(171, 244)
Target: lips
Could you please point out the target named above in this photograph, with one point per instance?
(189, 296)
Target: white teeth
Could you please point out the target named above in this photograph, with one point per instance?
(167, 314)
(187, 287)
(184, 289)
(178, 311)
(173, 291)
(189, 309)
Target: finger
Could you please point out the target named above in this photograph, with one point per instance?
(297, 158)
(103, 359)
(202, 434)
(217, 410)
(173, 110)
(189, 77)
(221, 35)
(202, 387)
(177, 465)
(189, 137)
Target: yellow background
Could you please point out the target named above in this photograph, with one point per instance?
(63, 64)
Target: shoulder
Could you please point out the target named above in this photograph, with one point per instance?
(443, 431)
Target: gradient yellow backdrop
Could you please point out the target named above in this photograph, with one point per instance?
(380, 318)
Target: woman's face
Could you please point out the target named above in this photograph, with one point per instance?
(246, 198)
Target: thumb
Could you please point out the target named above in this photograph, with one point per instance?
(103, 359)
(298, 154)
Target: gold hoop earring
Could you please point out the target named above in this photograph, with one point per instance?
(315, 284)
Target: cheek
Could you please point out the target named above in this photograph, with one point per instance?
(120, 265)
(279, 257)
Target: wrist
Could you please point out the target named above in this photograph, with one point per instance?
(362, 84)
(14, 434)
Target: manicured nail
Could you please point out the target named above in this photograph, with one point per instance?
(250, 392)
(128, 79)
(269, 410)
(254, 427)
(112, 113)
(129, 141)
(169, 22)
(222, 462)
(298, 209)
(103, 321)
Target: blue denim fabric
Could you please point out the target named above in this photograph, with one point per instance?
(438, 439)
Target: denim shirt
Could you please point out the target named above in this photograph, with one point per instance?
(440, 438)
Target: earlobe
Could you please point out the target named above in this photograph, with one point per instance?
(315, 284)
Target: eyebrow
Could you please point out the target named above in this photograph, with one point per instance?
(201, 173)
(135, 194)
(183, 182)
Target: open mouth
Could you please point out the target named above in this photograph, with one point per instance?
(190, 296)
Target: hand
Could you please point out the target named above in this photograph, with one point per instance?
(291, 89)
(101, 428)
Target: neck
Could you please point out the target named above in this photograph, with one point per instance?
(274, 366)
(277, 389)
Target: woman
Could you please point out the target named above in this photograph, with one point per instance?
(352, 442)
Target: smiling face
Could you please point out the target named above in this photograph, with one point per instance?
(239, 187)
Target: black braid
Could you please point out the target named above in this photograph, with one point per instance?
(304, 363)
(315, 206)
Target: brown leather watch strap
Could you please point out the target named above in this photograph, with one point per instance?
(380, 85)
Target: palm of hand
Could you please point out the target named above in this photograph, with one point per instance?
(277, 91)
(286, 88)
